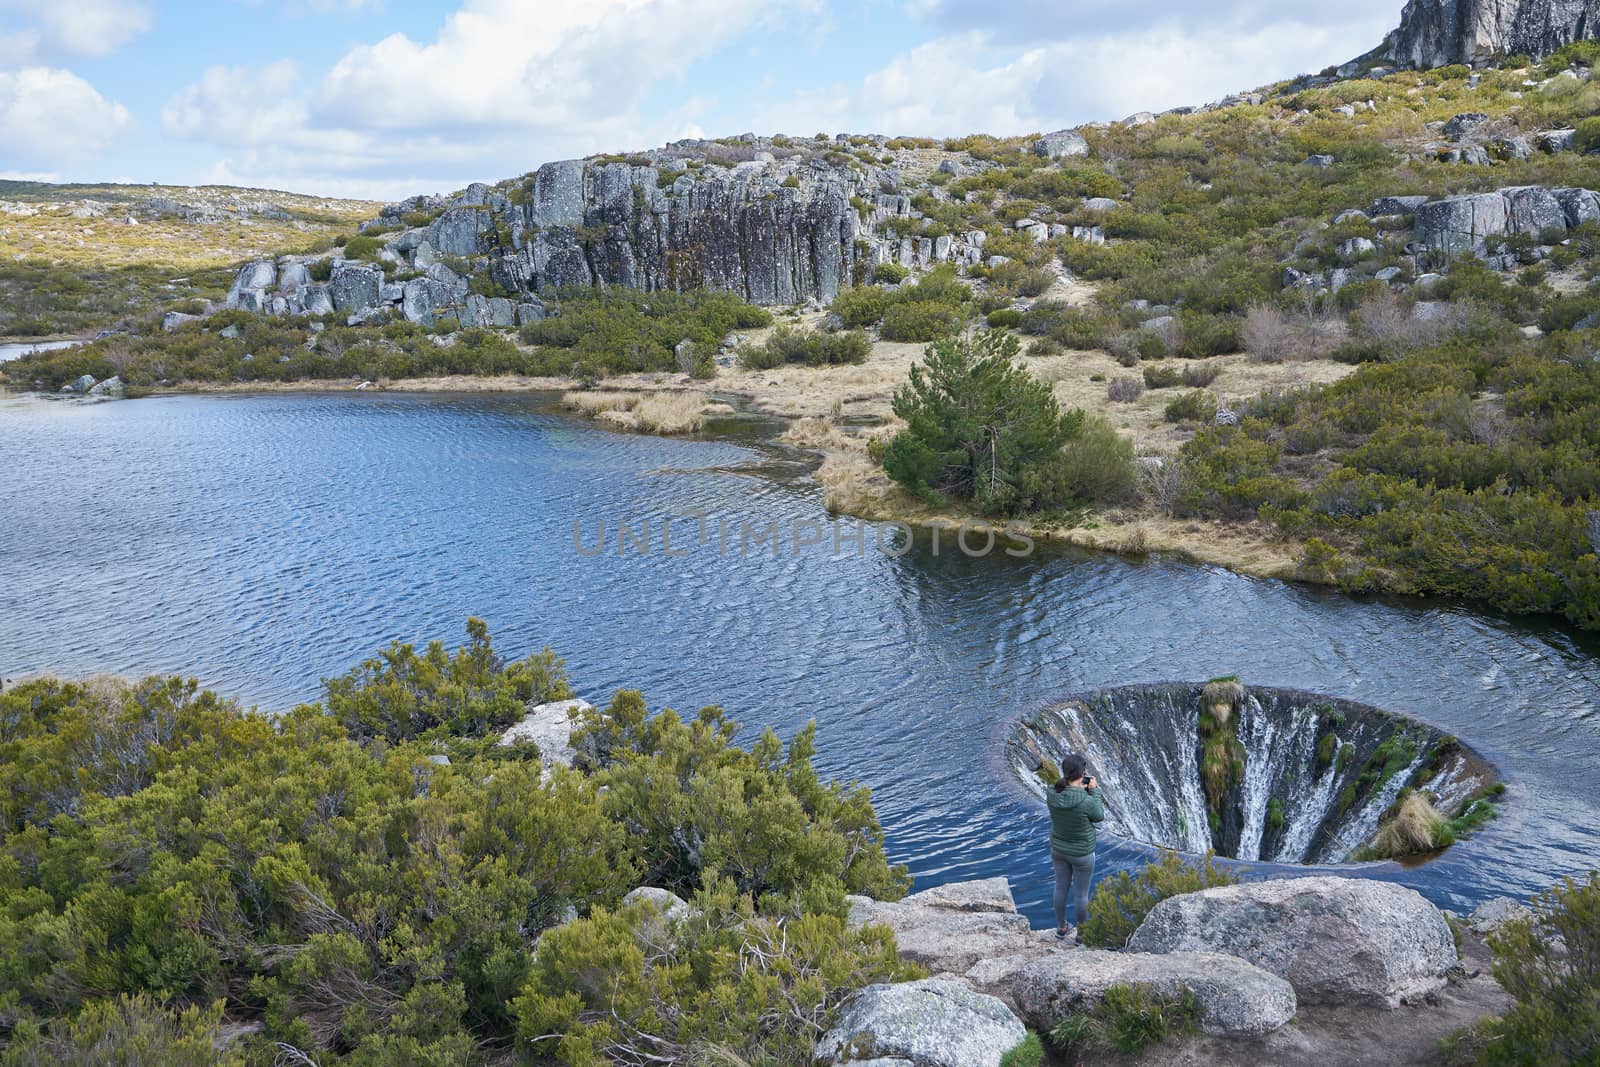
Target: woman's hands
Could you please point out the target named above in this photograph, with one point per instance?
(1089, 782)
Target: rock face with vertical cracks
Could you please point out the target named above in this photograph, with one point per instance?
(1436, 33)
(1318, 774)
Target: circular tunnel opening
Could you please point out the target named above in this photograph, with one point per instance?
(1262, 774)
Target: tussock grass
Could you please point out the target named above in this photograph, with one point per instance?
(660, 413)
(1417, 828)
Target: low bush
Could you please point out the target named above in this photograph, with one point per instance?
(1128, 1019)
(1586, 136)
(1120, 903)
(1550, 965)
(892, 273)
(919, 321)
(1005, 319)
(1195, 406)
(362, 247)
(1124, 390)
(1201, 335)
(862, 306)
(187, 860)
(1098, 465)
(1165, 376)
(789, 344)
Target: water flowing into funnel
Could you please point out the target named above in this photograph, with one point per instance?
(1319, 775)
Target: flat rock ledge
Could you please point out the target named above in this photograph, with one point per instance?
(970, 933)
(931, 1023)
(548, 726)
(1335, 940)
(1235, 998)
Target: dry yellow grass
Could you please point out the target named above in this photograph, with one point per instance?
(665, 413)
(593, 404)
(40, 225)
(1415, 829)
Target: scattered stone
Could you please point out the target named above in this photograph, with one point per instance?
(1336, 940)
(1388, 274)
(1396, 205)
(986, 894)
(1493, 914)
(1352, 215)
(669, 905)
(1321, 162)
(1553, 141)
(175, 320)
(111, 388)
(946, 941)
(82, 385)
(1515, 148)
(549, 726)
(1063, 144)
(931, 1023)
(1101, 203)
(1356, 247)
(1459, 126)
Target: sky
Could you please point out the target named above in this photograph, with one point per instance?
(384, 98)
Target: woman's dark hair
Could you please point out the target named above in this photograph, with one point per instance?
(1072, 768)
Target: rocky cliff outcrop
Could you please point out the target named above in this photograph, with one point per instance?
(1435, 33)
(776, 222)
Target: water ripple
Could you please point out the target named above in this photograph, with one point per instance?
(263, 543)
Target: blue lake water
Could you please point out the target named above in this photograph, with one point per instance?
(261, 543)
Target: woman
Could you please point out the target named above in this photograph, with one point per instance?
(1075, 807)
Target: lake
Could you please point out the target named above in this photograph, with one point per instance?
(262, 543)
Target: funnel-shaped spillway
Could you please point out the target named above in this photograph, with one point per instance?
(1278, 775)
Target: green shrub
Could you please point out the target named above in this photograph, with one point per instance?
(399, 695)
(813, 348)
(1005, 319)
(1098, 465)
(862, 306)
(371, 904)
(1195, 406)
(1128, 1019)
(1201, 335)
(1586, 136)
(1551, 967)
(625, 330)
(920, 321)
(1121, 903)
(362, 247)
(980, 428)
(892, 273)
(126, 1030)
(1165, 376)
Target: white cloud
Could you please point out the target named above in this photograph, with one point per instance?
(969, 81)
(1040, 21)
(503, 86)
(76, 27)
(50, 116)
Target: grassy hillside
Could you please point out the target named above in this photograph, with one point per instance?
(76, 258)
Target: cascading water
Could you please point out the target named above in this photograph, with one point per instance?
(1319, 775)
